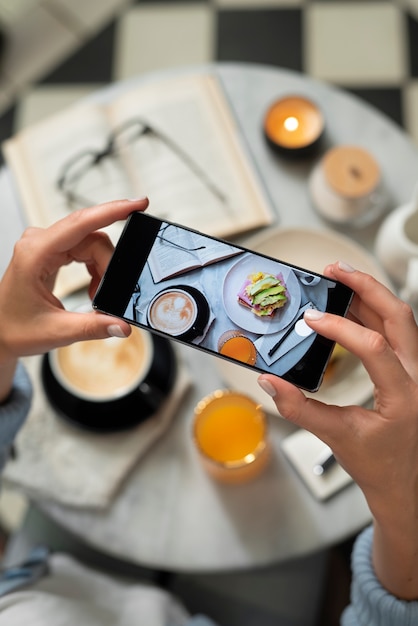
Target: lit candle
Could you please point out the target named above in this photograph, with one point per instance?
(230, 433)
(294, 125)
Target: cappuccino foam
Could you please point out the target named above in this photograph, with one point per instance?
(104, 368)
(173, 312)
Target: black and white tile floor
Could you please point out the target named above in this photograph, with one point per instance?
(60, 50)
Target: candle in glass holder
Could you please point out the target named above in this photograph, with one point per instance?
(230, 433)
(293, 125)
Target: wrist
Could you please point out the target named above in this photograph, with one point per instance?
(371, 602)
(7, 372)
(395, 552)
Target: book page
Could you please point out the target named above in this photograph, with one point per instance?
(63, 146)
(201, 178)
(190, 162)
(167, 258)
(177, 251)
(216, 251)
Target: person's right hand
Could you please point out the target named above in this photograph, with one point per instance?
(378, 447)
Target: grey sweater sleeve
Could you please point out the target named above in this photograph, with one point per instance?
(13, 412)
(371, 604)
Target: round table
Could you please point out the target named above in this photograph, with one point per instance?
(169, 513)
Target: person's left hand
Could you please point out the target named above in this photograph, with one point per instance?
(32, 319)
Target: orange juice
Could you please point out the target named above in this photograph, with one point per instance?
(230, 433)
(238, 347)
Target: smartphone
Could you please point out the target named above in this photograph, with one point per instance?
(220, 298)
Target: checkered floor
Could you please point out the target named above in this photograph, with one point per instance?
(60, 50)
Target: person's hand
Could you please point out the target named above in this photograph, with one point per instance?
(32, 319)
(378, 447)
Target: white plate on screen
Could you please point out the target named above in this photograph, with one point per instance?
(311, 249)
(244, 317)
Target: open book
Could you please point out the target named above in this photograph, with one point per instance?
(190, 251)
(174, 140)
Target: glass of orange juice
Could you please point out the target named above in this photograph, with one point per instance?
(230, 433)
(238, 346)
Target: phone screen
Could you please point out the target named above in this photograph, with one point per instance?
(221, 298)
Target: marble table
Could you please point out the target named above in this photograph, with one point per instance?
(170, 514)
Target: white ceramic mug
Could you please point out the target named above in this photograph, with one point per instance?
(396, 248)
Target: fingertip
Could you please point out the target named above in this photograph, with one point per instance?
(102, 326)
(115, 330)
(345, 267)
(313, 315)
(267, 386)
(142, 202)
(329, 270)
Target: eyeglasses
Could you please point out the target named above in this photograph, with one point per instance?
(161, 236)
(127, 133)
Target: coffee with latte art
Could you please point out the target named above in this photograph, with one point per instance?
(103, 369)
(173, 312)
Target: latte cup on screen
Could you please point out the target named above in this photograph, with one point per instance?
(101, 370)
(173, 311)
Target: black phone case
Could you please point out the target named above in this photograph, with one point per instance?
(121, 281)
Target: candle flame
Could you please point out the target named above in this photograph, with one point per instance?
(291, 123)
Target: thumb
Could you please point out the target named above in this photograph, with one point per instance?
(78, 326)
(308, 413)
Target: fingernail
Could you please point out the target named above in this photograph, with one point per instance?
(267, 386)
(345, 267)
(137, 199)
(116, 331)
(313, 314)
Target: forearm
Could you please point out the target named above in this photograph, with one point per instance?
(395, 555)
(371, 603)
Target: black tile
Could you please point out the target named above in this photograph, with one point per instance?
(92, 63)
(7, 121)
(172, 1)
(413, 45)
(387, 100)
(273, 37)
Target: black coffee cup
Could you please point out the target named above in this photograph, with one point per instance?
(110, 384)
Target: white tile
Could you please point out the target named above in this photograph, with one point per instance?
(86, 16)
(358, 43)
(12, 11)
(36, 45)
(43, 101)
(411, 110)
(157, 36)
(259, 4)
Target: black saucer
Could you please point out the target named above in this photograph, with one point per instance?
(203, 312)
(122, 413)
